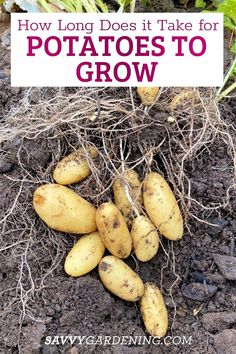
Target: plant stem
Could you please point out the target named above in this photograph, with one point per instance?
(226, 91)
(45, 5)
(132, 5)
(227, 77)
(102, 6)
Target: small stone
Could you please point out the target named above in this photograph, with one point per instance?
(181, 312)
(32, 336)
(195, 325)
(218, 185)
(216, 278)
(220, 224)
(68, 318)
(225, 342)
(5, 166)
(198, 265)
(227, 266)
(206, 241)
(218, 320)
(73, 350)
(35, 96)
(47, 320)
(46, 349)
(171, 119)
(169, 303)
(15, 90)
(57, 308)
(211, 306)
(198, 277)
(2, 75)
(3, 97)
(225, 250)
(6, 38)
(199, 292)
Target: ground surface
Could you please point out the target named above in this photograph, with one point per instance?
(204, 299)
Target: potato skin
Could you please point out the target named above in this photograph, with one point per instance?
(145, 238)
(153, 310)
(113, 230)
(185, 97)
(148, 94)
(74, 167)
(85, 255)
(120, 279)
(120, 198)
(161, 206)
(64, 210)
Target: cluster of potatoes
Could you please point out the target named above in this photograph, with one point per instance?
(115, 227)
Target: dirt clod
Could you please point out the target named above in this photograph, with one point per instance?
(32, 338)
(199, 292)
(195, 153)
(225, 342)
(217, 321)
(5, 166)
(227, 266)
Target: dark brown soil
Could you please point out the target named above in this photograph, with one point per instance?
(61, 306)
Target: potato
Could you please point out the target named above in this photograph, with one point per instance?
(120, 279)
(148, 95)
(145, 238)
(64, 210)
(74, 167)
(161, 206)
(85, 255)
(153, 310)
(183, 98)
(113, 230)
(131, 183)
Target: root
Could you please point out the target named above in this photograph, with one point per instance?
(123, 133)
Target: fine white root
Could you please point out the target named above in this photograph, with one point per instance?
(125, 136)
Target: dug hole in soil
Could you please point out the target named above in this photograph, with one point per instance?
(194, 151)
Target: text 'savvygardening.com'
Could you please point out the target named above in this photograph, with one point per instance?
(117, 49)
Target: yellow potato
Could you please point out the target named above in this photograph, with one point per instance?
(74, 167)
(120, 279)
(161, 206)
(113, 230)
(64, 210)
(145, 238)
(130, 183)
(85, 255)
(183, 98)
(148, 95)
(153, 310)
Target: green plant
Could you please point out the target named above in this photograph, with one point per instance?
(83, 5)
(222, 91)
(228, 8)
(73, 5)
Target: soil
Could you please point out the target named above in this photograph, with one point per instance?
(35, 306)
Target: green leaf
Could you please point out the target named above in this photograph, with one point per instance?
(124, 3)
(233, 47)
(233, 71)
(146, 2)
(103, 7)
(228, 23)
(200, 4)
(228, 7)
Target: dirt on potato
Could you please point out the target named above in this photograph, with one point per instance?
(195, 153)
